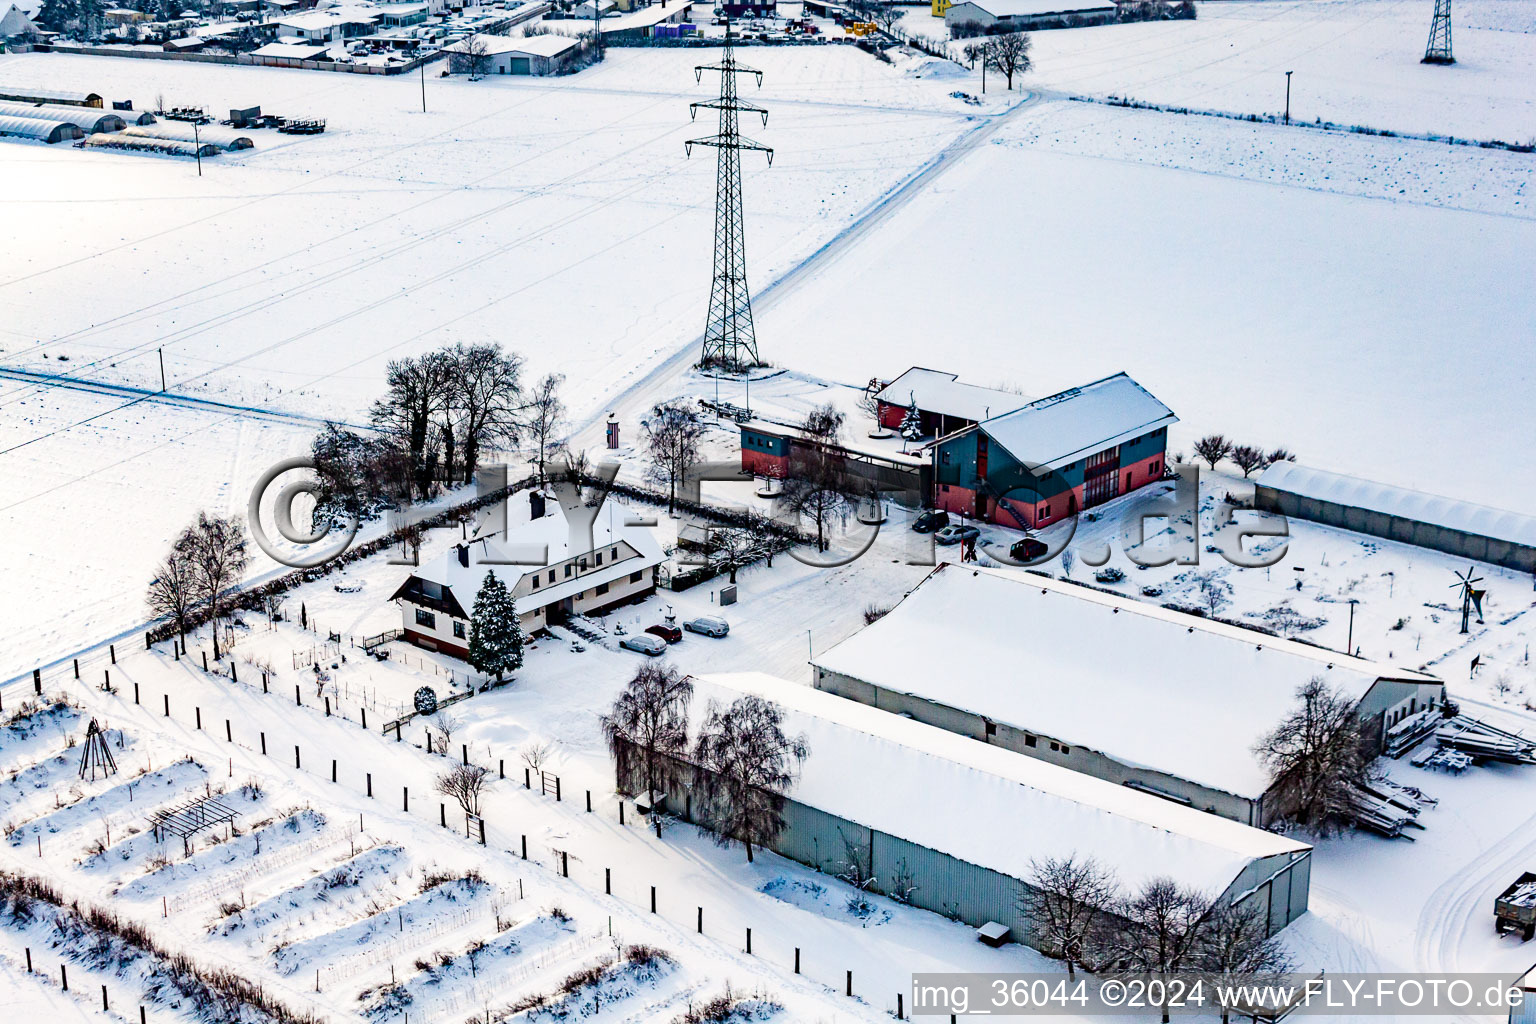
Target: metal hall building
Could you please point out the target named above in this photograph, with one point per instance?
(957, 826)
(1055, 456)
(1149, 698)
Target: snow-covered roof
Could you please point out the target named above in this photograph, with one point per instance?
(545, 542)
(918, 782)
(1145, 685)
(1061, 428)
(1022, 8)
(309, 21)
(934, 391)
(33, 127)
(645, 17)
(1448, 513)
(534, 46)
(92, 119)
(292, 51)
(15, 21)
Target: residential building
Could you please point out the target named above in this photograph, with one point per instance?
(1023, 15)
(943, 404)
(1159, 700)
(1055, 456)
(551, 571)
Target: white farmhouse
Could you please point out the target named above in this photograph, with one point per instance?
(558, 573)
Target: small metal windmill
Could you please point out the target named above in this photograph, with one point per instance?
(1470, 596)
(97, 755)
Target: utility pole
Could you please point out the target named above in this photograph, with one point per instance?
(162, 367)
(1288, 96)
(1438, 51)
(197, 144)
(1349, 645)
(423, 86)
(730, 342)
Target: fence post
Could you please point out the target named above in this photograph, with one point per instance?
(77, 668)
(501, 768)
(527, 775)
(850, 982)
(205, 661)
(900, 1015)
(608, 881)
(199, 712)
(229, 737)
(327, 707)
(333, 769)
(296, 698)
(135, 693)
(234, 676)
(37, 680)
(112, 650)
(263, 743)
(29, 959)
(557, 789)
(296, 756)
(64, 976)
(464, 752)
(589, 801)
(176, 650)
(167, 704)
(525, 846)
(370, 784)
(653, 899)
(700, 926)
(405, 798)
(565, 864)
(263, 682)
(797, 959)
(621, 810)
(106, 679)
(442, 815)
(749, 941)
(104, 1007)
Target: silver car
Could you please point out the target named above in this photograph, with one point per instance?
(645, 643)
(709, 625)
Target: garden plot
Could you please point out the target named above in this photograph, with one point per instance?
(141, 851)
(327, 898)
(831, 898)
(506, 964)
(223, 865)
(36, 726)
(129, 800)
(445, 905)
(51, 775)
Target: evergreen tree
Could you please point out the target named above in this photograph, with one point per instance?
(55, 14)
(496, 635)
(911, 428)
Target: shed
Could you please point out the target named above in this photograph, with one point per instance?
(276, 52)
(961, 824)
(55, 96)
(37, 128)
(88, 118)
(521, 55)
(1432, 521)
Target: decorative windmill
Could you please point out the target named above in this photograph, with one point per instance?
(97, 755)
(1470, 596)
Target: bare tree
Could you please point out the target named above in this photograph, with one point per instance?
(1068, 898)
(886, 15)
(823, 423)
(869, 401)
(1159, 929)
(543, 417)
(537, 754)
(474, 56)
(748, 764)
(1316, 757)
(417, 387)
(1278, 455)
(464, 782)
(1235, 943)
(672, 435)
(818, 487)
(1213, 448)
(650, 717)
(443, 726)
(215, 548)
(1008, 55)
(484, 396)
(174, 591)
(1247, 458)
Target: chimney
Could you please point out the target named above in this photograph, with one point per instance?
(463, 550)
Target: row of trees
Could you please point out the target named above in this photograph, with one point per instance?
(206, 559)
(1084, 916)
(1007, 54)
(440, 413)
(742, 760)
(1213, 448)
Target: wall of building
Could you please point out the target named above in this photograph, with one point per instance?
(1076, 756)
(1408, 531)
(942, 883)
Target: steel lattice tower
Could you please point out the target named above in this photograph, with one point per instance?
(1439, 49)
(730, 342)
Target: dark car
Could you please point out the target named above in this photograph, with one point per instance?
(931, 520)
(1027, 550)
(671, 634)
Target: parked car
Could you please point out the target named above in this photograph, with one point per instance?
(931, 520)
(955, 534)
(709, 625)
(1026, 550)
(645, 643)
(671, 634)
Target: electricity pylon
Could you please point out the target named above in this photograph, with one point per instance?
(730, 342)
(1439, 49)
